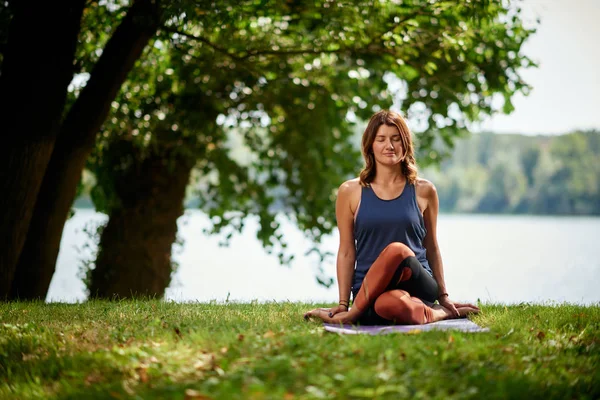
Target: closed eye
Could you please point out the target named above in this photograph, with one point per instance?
(395, 138)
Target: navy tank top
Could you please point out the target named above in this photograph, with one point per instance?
(381, 222)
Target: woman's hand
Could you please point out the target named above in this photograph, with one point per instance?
(340, 308)
(458, 309)
(445, 301)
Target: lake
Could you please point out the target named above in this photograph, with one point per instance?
(507, 259)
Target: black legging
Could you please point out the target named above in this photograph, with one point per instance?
(420, 284)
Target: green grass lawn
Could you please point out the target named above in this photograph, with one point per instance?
(155, 349)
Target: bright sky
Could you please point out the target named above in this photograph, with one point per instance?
(566, 86)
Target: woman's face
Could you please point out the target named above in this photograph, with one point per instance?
(387, 147)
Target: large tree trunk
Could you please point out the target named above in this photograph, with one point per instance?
(134, 257)
(73, 145)
(36, 71)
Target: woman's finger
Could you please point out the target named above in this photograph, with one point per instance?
(466, 305)
(461, 304)
(454, 310)
(315, 312)
(333, 311)
(450, 305)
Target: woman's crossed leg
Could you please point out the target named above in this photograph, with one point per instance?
(394, 287)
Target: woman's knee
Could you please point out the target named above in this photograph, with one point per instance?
(398, 306)
(398, 250)
(389, 303)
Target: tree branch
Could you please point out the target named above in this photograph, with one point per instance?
(374, 44)
(291, 51)
(201, 40)
(256, 52)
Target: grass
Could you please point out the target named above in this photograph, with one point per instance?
(146, 349)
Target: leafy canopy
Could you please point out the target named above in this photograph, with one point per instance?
(266, 96)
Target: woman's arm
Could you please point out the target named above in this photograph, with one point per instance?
(430, 242)
(347, 252)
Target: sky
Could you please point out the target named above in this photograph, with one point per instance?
(566, 86)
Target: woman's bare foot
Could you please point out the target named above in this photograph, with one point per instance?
(323, 314)
(440, 312)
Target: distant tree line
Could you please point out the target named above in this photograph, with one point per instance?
(505, 173)
(500, 173)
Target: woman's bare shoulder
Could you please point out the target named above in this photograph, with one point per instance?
(349, 194)
(350, 186)
(425, 188)
(349, 191)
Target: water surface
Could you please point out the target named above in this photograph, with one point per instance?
(508, 259)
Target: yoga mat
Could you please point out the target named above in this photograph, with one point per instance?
(463, 325)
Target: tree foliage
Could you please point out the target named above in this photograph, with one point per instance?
(288, 82)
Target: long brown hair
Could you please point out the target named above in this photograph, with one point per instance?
(408, 164)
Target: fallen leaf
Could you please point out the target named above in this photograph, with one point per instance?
(450, 339)
(573, 339)
(93, 378)
(269, 335)
(143, 374)
(205, 362)
(191, 394)
(128, 388)
(510, 332)
(316, 392)
(178, 332)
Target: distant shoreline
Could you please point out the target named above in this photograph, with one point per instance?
(86, 204)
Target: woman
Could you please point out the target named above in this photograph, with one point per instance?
(388, 255)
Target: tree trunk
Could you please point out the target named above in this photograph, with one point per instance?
(134, 257)
(73, 145)
(36, 71)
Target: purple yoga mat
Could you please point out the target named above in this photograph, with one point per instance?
(462, 325)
